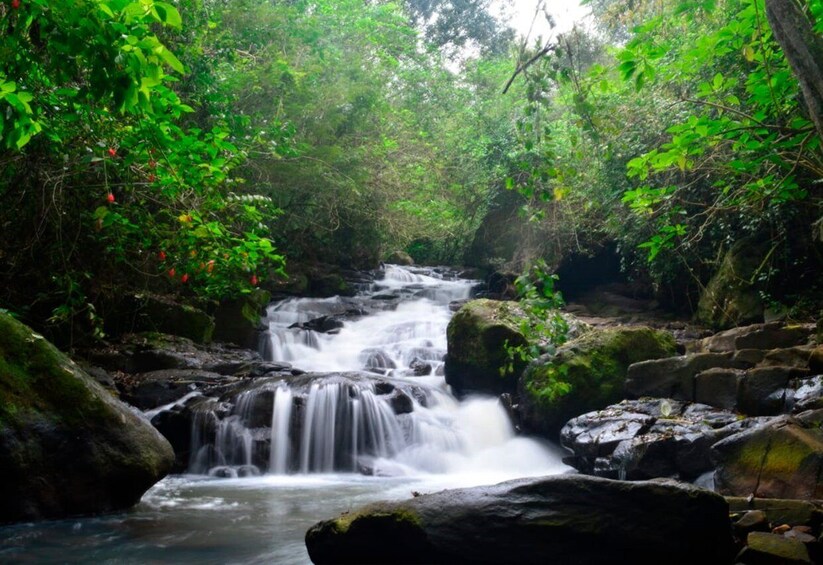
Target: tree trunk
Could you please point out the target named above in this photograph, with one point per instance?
(804, 51)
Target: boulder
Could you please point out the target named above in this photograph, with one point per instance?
(729, 299)
(673, 377)
(477, 337)
(774, 335)
(562, 519)
(764, 391)
(719, 387)
(400, 258)
(647, 438)
(67, 447)
(154, 313)
(237, 321)
(585, 374)
(780, 459)
(146, 391)
(772, 549)
(149, 351)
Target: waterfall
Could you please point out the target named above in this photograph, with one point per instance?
(373, 399)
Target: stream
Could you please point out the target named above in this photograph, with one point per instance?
(371, 419)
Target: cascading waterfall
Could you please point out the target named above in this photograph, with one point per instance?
(375, 401)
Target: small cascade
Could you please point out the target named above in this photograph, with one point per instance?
(280, 424)
(374, 400)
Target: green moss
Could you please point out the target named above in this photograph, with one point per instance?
(772, 457)
(36, 377)
(589, 372)
(396, 515)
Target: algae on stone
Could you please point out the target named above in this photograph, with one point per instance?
(585, 374)
(67, 446)
(477, 337)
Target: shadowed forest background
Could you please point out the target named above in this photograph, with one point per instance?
(202, 148)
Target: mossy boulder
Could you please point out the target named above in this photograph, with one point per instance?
(585, 374)
(155, 313)
(730, 299)
(67, 447)
(238, 321)
(559, 519)
(781, 459)
(477, 337)
(400, 258)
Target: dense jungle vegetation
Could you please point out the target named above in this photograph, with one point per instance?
(206, 147)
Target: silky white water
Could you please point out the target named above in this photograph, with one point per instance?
(443, 444)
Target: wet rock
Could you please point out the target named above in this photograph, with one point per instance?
(593, 368)
(150, 390)
(779, 459)
(67, 446)
(643, 439)
(772, 549)
(420, 368)
(477, 338)
(807, 394)
(572, 519)
(323, 324)
(763, 391)
(147, 352)
(751, 521)
(377, 360)
(401, 403)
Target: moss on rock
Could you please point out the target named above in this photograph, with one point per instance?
(66, 445)
(586, 374)
(477, 338)
(730, 298)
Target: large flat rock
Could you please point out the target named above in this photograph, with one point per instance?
(561, 519)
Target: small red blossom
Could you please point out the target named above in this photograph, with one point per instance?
(253, 280)
(112, 151)
(185, 278)
(152, 164)
(171, 273)
(162, 255)
(210, 266)
(152, 177)
(15, 4)
(110, 198)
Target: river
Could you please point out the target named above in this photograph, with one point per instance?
(321, 428)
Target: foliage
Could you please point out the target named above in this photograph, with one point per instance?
(711, 144)
(543, 325)
(99, 158)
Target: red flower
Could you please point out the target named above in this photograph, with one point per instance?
(152, 177)
(210, 266)
(110, 198)
(15, 4)
(185, 278)
(162, 255)
(171, 273)
(152, 164)
(253, 280)
(112, 151)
